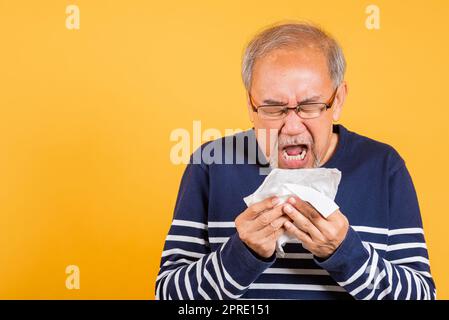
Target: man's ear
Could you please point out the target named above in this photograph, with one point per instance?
(340, 98)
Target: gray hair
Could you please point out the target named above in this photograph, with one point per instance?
(294, 35)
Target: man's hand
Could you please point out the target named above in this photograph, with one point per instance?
(318, 235)
(260, 225)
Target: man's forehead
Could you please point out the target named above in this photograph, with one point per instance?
(285, 68)
(290, 79)
(292, 55)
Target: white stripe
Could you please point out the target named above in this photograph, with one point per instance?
(418, 286)
(296, 271)
(208, 277)
(417, 282)
(187, 281)
(228, 276)
(170, 262)
(409, 284)
(411, 259)
(182, 252)
(296, 256)
(220, 279)
(370, 230)
(163, 274)
(287, 255)
(164, 287)
(289, 286)
(424, 273)
(370, 276)
(198, 280)
(178, 289)
(426, 288)
(423, 284)
(221, 224)
(186, 239)
(384, 247)
(359, 272)
(367, 229)
(409, 245)
(186, 223)
(158, 288)
(212, 283)
(399, 286)
(290, 240)
(390, 282)
(421, 274)
(367, 246)
(395, 232)
(218, 239)
(231, 280)
(375, 284)
(378, 246)
(388, 232)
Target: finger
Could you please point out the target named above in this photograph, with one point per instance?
(302, 223)
(303, 237)
(254, 210)
(337, 222)
(263, 220)
(266, 233)
(268, 217)
(272, 227)
(308, 211)
(279, 222)
(275, 235)
(278, 233)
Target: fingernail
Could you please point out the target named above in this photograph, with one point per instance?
(288, 208)
(275, 201)
(287, 224)
(292, 200)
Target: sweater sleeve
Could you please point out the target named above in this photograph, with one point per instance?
(403, 272)
(189, 269)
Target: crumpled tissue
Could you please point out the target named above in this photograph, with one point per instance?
(317, 186)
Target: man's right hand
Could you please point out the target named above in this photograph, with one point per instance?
(261, 225)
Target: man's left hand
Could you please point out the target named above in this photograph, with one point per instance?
(321, 236)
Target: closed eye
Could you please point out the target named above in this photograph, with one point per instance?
(270, 102)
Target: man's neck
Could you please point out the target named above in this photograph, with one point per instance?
(332, 147)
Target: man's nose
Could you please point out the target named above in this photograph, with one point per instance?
(293, 124)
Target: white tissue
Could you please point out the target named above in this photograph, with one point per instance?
(317, 186)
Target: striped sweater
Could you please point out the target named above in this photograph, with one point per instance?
(383, 256)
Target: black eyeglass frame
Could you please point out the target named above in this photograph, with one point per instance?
(297, 108)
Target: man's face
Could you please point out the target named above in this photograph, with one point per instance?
(291, 76)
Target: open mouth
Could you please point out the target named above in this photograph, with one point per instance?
(296, 152)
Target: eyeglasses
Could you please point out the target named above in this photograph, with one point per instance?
(306, 110)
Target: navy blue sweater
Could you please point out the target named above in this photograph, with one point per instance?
(383, 256)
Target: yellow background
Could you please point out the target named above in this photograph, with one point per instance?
(86, 115)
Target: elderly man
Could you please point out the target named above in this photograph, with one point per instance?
(372, 248)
